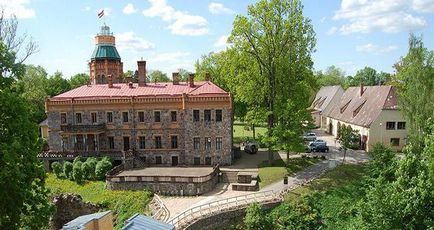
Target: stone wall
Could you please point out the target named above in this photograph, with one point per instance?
(224, 220)
(166, 188)
(68, 207)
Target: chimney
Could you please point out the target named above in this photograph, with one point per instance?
(175, 78)
(130, 85)
(110, 81)
(141, 66)
(191, 79)
(207, 77)
(361, 89)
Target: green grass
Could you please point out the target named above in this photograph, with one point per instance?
(240, 132)
(269, 174)
(124, 204)
(338, 192)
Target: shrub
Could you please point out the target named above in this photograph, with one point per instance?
(77, 171)
(57, 169)
(102, 167)
(89, 168)
(67, 170)
(76, 159)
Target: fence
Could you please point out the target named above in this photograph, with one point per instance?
(162, 212)
(192, 214)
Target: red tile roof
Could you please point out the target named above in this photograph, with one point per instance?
(164, 89)
(363, 110)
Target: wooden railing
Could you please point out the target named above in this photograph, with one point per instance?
(83, 128)
(190, 215)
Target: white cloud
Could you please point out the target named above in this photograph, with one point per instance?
(390, 16)
(169, 57)
(375, 49)
(323, 19)
(19, 8)
(86, 8)
(129, 41)
(129, 9)
(332, 30)
(219, 8)
(222, 41)
(181, 23)
(107, 11)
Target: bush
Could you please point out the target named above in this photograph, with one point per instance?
(57, 169)
(89, 168)
(77, 171)
(67, 170)
(102, 167)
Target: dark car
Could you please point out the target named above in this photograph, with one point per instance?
(317, 146)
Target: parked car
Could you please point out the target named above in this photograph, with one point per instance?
(251, 147)
(317, 146)
(309, 137)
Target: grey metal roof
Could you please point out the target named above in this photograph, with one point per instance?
(141, 222)
(44, 122)
(79, 222)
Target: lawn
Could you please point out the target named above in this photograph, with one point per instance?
(240, 132)
(338, 192)
(124, 204)
(271, 174)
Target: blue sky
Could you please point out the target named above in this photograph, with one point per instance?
(172, 34)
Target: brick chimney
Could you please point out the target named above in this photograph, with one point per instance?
(141, 66)
(175, 78)
(110, 81)
(362, 90)
(191, 79)
(207, 77)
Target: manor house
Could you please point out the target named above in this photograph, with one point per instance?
(160, 123)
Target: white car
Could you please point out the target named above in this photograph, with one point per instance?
(309, 137)
(251, 147)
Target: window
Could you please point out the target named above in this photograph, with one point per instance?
(93, 116)
(64, 143)
(109, 117)
(218, 115)
(207, 115)
(196, 142)
(141, 117)
(158, 142)
(195, 115)
(63, 118)
(158, 160)
(208, 143)
(394, 141)
(174, 142)
(157, 117)
(208, 160)
(196, 161)
(401, 125)
(111, 142)
(79, 142)
(78, 118)
(390, 125)
(124, 117)
(173, 116)
(142, 142)
(126, 143)
(218, 143)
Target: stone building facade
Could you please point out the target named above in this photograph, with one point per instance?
(163, 123)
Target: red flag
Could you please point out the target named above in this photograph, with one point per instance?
(100, 14)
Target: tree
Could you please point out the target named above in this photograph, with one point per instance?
(256, 217)
(79, 80)
(67, 170)
(102, 167)
(415, 87)
(77, 172)
(57, 84)
(348, 138)
(158, 76)
(89, 168)
(383, 163)
(280, 40)
(23, 196)
(331, 76)
(57, 169)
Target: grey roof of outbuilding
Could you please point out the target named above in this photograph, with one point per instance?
(364, 109)
(44, 122)
(324, 96)
(79, 222)
(140, 222)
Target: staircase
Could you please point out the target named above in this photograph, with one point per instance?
(246, 181)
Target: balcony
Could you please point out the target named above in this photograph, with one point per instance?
(96, 128)
(56, 155)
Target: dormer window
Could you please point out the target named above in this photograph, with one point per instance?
(343, 108)
(357, 110)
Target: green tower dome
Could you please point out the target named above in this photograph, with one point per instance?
(105, 45)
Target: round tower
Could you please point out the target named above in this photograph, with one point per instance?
(105, 59)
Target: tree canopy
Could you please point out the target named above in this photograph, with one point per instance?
(158, 76)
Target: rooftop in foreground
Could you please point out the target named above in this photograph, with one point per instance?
(168, 171)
